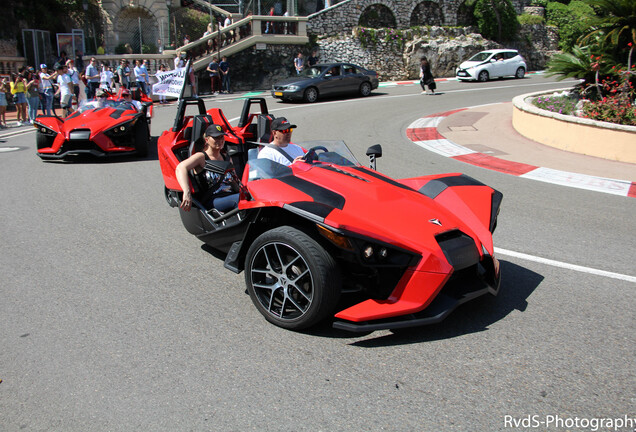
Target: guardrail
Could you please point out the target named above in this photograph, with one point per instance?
(11, 64)
(243, 34)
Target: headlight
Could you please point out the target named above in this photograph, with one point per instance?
(292, 88)
(44, 130)
(121, 129)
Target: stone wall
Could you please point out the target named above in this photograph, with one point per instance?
(343, 17)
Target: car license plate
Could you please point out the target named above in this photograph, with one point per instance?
(278, 93)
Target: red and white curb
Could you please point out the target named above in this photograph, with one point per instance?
(423, 132)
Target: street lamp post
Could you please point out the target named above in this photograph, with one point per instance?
(168, 4)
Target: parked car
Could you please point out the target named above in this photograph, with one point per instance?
(322, 80)
(398, 253)
(492, 64)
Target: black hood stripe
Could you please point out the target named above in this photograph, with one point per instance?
(435, 187)
(383, 178)
(318, 193)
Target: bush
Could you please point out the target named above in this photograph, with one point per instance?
(496, 19)
(149, 49)
(527, 19)
(571, 20)
(611, 109)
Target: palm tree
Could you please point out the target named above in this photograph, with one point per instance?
(616, 25)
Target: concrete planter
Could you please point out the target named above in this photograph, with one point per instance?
(573, 134)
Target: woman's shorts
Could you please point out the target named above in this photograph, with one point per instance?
(3, 99)
(20, 98)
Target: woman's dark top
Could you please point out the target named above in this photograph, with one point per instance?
(212, 184)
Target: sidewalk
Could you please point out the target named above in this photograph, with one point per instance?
(484, 136)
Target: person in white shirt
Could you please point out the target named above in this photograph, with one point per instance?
(65, 89)
(125, 93)
(75, 79)
(106, 78)
(47, 89)
(281, 149)
(141, 74)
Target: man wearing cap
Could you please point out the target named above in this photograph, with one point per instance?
(218, 191)
(47, 90)
(125, 93)
(281, 150)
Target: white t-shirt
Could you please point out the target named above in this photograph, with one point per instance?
(74, 74)
(106, 79)
(63, 81)
(291, 149)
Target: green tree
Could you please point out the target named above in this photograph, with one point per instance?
(572, 20)
(496, 19)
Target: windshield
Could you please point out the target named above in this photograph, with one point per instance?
(108, 103)
(482, 56)
(311, 72)
(318, 152)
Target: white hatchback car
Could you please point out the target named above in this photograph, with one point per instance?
(492, 64)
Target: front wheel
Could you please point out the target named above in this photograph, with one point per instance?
(521, 72)
(292, 280)
(483, 76)
(311, 95)
(142, 138)
(365, 89)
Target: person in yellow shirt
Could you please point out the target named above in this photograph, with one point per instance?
(18, 90)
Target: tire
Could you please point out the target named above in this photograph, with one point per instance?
(365, 89)
(293, 282)
(311, 95)
(520, 73)
(483, 76)
(142, 139)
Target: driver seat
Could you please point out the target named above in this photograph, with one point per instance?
(199, 124)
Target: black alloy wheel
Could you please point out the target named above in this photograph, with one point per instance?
(292, 280)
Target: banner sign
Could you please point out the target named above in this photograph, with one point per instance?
(170, 83)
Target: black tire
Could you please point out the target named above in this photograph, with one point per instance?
(483, 76)
(311, 95)
(293, 282)
(365, 89)
(142, 138)
(520, 73)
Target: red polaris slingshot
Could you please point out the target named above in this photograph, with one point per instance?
(329, 238)
(115, 127)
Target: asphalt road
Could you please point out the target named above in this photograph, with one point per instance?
(113, 318)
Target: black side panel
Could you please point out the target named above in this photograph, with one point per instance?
(497, 197)
(435, 187)
(318, 193)
(319, 210)
(460, 250)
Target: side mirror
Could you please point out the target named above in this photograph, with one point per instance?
(374, 152)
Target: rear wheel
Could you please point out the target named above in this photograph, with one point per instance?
(365, 89)
(311, 95)
(483, 76)
(521, 72)
(293, 282)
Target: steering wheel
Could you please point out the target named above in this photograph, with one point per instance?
(312, 154)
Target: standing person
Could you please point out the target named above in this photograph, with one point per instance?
(33, 94)
(281, 149)
(4, 87)
(312, 60)
(106, 78)
(426, 76)
(213, 69)
(162, 97)
(92, 79)
(224, 67)
(75, 78)
(193, 80)
(186, 40)
(211, 44)
(178, 61)
(123, 71)
(79, 61)
(299, 63)
(65, 89)
(269, 26)
(141, 75)
(18, 90)
(47, 89)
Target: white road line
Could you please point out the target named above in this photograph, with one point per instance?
(566, 265)
(8, 149)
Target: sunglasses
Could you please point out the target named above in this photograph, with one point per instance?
(285, 131)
